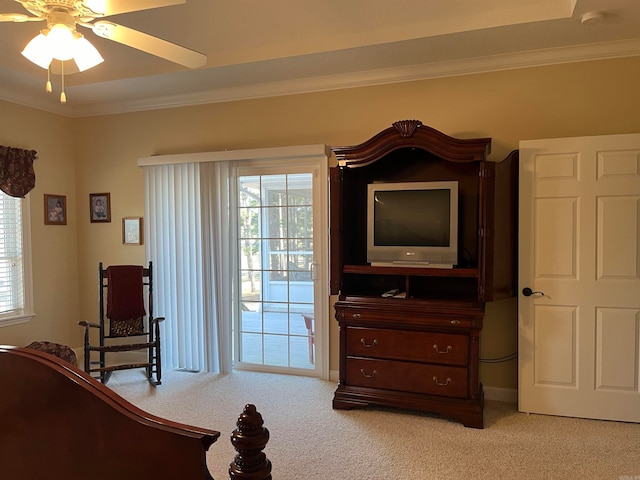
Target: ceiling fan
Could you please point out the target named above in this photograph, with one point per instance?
(63, 16)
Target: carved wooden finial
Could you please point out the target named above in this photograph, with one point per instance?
(249, 439)
(407, 127)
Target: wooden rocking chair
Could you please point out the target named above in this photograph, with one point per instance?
(123, 318)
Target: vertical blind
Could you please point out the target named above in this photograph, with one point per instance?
(174, 236)
(187, 212)
(11, 258)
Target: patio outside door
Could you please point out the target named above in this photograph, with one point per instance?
(277, 276)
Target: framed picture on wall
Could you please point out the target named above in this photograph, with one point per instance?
(100, 207)
(55, 209)
(132, 231)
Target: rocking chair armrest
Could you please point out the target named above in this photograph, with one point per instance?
(86, 324)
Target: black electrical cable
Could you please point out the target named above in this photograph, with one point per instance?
(506, 358)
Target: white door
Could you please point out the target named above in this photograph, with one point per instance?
(579, 332)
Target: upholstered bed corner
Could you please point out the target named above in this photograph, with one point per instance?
(58, 422)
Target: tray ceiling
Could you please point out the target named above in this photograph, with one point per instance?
(258, 48)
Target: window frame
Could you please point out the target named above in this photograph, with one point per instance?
(27, 284)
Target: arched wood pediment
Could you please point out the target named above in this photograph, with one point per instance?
(412, 134)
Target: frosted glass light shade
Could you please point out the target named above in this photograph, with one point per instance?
(61, 42)
(86, 55)
(38, 51)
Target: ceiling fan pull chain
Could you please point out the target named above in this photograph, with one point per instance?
(48, 85)
(63, 96)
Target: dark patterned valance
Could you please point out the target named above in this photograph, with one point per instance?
(17, 177)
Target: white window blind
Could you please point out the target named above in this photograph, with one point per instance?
(186, 208)
(15, 298)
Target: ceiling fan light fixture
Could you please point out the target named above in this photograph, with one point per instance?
(60, 43)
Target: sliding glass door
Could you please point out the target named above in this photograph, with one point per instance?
(236, 238)
(275, 328)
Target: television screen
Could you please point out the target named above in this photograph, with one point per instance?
(412, 218)
(413, 223)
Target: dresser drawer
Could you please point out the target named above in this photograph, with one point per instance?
(407, 377)
(443, 348)
(389, 317)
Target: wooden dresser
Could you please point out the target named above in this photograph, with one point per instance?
(420, 351)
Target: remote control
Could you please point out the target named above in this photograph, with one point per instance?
(391, 293)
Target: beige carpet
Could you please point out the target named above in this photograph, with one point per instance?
(311, 441)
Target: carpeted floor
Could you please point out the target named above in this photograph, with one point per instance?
(311, 441)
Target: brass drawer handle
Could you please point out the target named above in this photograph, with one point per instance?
(366, 375)
(356, 315)
(455, 322)
(446, 382)
(437, 349)
(368, 345)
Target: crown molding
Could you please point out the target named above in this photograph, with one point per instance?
(469, 66)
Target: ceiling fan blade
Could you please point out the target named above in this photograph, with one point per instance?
(148, 43)
(18, 18)
(114, 7)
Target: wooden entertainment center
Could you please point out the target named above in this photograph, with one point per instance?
(421, 351)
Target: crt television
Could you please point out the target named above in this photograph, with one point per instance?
(413, 224)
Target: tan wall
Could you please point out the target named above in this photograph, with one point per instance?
(55, 260)
(588, 98)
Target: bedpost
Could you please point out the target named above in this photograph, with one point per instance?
(249, 439)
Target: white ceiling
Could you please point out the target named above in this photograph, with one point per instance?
(258, 48)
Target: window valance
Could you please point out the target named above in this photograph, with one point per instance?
(17, 177)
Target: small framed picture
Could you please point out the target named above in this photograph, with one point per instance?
(55, 209)
(132, 231)
(100, 207)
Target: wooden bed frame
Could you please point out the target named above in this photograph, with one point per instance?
(58, 422)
